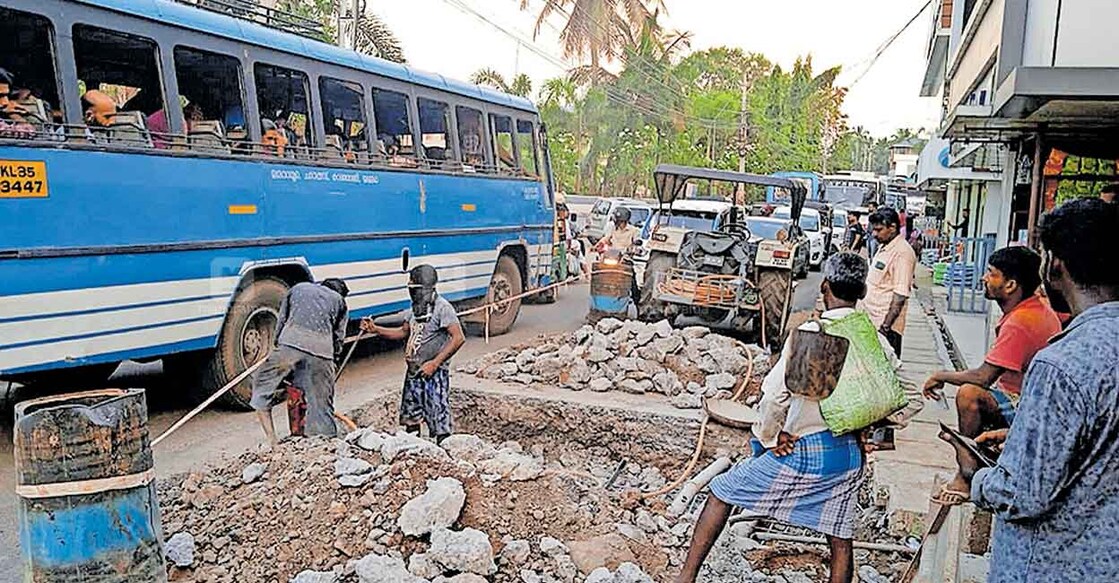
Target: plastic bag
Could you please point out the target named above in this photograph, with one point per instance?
(868, 390)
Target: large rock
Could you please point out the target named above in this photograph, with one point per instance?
(663, 328)
(253, 472)
(579, 374)
(608, 550)
(600, 575)
(723, 381)
(407, 444)
(468, 551)
(516, 552)
(687, 401)
(608, 325)
(627, 364)
(351, 466)
(601, 385)
(548, 368)
(652, 352)
(695, 331)
(316, 577)
(513, 466)
(438, 507)
(525, 359)
(423, 567)
(374, 568)
(180, 549)
(552, 546)
(464, 446)
(631, 573)
(666, 383)
(669, 345)
(631, 386)
(598, 354)
(370, 441)
(644, 336)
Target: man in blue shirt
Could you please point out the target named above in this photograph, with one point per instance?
(1055, 492)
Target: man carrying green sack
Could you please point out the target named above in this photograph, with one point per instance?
(801, 471)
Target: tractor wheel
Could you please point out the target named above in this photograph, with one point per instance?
(776, 287)
(648, 308)
(246, 337)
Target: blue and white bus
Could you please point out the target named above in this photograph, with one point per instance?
(812, 182)
(240, 159)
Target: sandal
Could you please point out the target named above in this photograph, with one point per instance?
(946, 497)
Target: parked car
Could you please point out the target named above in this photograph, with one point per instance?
(838, 229)
(774, 229)
(580, 208)
(810, 222)
(603, 212)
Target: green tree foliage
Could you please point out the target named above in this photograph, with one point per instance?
(521, 85)
(374, 37)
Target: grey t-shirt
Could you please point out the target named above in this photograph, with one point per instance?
(312, 319)
(428, 338)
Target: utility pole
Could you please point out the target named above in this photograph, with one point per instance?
(357, 20)
(743, 135)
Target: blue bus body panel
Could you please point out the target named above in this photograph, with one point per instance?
(815, 191)
(135, 255)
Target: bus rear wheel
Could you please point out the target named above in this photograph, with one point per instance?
(505, 283)
(246, 337)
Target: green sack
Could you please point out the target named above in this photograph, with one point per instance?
(869, 389)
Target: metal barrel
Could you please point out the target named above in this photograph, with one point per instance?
(88, 507)
(611, 287)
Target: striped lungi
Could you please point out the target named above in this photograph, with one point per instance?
(816, 486)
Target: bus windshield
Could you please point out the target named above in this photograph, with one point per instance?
(846, 195)
(808, 222)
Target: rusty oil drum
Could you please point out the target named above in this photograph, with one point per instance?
(88, 507)
(611, 288)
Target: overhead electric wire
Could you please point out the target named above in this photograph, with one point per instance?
(885, 46)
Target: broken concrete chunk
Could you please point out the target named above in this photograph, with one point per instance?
(631, 573)
(687, 401)
(598, 354)
(516, 552)
(355, 480)
(420, 566)
(351, 466)
(253, 472)
(180, 549)
(513, 466)
(530, 576)
(315, 577)
(608, 550)
(465, 446)
(438, 507)
(608, 325)
(525, 359)
(551, 546)
(370, 441)
(663, 328)
(695, 331)
(669, 345)
(468, 551)
(665, 382)
(721, 381)
(600, 575)
(374, 568)
(631, 386)
(408, 444)
(601, 385)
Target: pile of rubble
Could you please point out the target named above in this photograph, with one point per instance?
(629, 356)
(379, 508)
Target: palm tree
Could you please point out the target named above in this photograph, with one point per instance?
(374, 37)
(521, 85)
(596, 30)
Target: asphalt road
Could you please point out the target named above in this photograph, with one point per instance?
(218, 434)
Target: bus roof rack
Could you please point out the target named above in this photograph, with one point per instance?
(253, 11)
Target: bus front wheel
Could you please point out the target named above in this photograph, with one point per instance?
(246, 337)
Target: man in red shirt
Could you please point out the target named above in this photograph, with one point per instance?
(988, 395)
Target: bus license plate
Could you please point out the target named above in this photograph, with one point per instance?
(23, 179)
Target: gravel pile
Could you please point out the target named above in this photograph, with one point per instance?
(629, 356)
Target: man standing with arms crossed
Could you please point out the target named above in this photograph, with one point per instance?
(891, 277)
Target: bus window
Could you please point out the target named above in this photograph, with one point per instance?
(281, 96)
(435, 123)
(214, 104)
(394, 130)
(526, 146)
(118, 77)
(470, 136)
(27, 54)
(343, 116)
(502, 127)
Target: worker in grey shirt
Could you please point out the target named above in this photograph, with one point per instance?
(1055, 489)
(433, 334)
(310, 330)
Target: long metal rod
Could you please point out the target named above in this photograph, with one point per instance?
(888, 548)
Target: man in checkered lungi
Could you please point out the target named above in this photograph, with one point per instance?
(800, 472)
(433, 335)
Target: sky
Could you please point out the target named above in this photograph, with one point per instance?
(443, 36)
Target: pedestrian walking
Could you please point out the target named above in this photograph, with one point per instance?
(890, 282)
(871, 242)
(854, 237)
(989, 394)
(1054, 491)
(800, 471)
(310, 331)
(433, 335)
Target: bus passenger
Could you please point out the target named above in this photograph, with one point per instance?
(99, 109)
(12, 125)
(275, 141)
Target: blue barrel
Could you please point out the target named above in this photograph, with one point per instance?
(88, 508)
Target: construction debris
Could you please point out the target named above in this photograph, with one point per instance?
(630, 356)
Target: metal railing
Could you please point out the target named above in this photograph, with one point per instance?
(963, 276)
